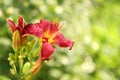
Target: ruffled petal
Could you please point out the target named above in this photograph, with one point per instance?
(62, 41)
(33, 29)
(12, 25)
(47, 51)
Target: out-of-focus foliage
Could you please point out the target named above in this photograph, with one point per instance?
(94, 25)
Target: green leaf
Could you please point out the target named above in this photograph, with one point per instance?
(22, 52)
(32, 44)
(29, 46)
(36, 52)
(27, 49)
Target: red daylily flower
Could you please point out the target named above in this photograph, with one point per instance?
(49, 31)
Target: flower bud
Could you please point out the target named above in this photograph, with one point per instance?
(37, 66)
(16, 40)
(26, 67)
(24, 40)
(12, 62)
(12, 71)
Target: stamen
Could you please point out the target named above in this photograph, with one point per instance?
(61, 25)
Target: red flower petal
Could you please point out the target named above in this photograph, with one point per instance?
(12, 25)
(33, 29)
(62, 41)
(47, 51)
(20, 22)
(45, 25)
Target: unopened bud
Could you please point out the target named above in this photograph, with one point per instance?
(37, 66)
(24, 40)
(16, 40)
(26, 67)
(33, 63)
(12, 71)
(20, 57)
(11, 62)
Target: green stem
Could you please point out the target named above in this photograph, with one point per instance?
(20, 65)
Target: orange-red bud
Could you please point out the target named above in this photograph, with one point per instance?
(37, 66)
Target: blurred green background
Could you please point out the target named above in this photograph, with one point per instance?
(94, 26)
